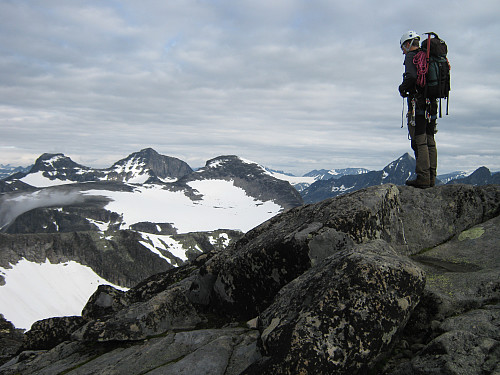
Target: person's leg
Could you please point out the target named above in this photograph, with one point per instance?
(431, 146)
(420, 148)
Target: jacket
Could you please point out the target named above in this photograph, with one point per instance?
(408, 87)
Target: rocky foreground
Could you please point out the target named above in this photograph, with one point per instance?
(386, 280)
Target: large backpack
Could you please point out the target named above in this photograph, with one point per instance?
(433, 69)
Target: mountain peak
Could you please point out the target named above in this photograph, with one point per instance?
(53, 162)
(150, 164)
(249, 176)
(231, 166)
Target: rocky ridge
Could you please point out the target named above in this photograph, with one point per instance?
(388, 280)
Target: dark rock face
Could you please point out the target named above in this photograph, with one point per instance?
(121, 260)
(158, 166)
(387, 280)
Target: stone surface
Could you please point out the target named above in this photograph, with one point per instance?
(456, 330)
(11, 339)
(222, 351)
(340, 316)
(105, 301)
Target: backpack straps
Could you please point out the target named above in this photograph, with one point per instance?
(428, 58)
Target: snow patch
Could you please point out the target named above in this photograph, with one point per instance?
(34, 291)
(39, 180)
(156, 242)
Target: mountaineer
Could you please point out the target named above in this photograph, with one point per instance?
(420, 129)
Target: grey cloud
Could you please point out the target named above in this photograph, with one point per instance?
(290, 84)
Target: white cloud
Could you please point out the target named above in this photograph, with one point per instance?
(295, 85)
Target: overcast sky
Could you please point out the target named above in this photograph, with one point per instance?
(294, 85)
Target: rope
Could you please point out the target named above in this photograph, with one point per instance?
(420, 61)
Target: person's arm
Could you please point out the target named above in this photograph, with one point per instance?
(407, 87)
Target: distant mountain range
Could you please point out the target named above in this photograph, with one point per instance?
(147, 166)
(148, 213)
(7, 170)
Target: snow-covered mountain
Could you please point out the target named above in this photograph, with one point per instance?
(326, 174)
(139, 167)
(481, 176)
(147, 213)
(303, 182)
(447, 177)
(396, 172)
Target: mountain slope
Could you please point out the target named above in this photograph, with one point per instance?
(326, 174)
(146, 164)
(249, 176)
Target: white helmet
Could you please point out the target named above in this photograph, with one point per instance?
(409, 35)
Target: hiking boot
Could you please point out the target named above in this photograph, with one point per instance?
(418, 183)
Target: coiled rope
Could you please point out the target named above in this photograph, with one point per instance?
(420, 61)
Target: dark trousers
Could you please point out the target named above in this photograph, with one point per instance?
(424, 148)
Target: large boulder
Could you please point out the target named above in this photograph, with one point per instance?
(342, 315)
(104, 302)
(50, 332)
(167, 310)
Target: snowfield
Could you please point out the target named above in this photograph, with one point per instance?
(34, 291)
(222, 206)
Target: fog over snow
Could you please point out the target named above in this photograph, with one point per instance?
(294, 85)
